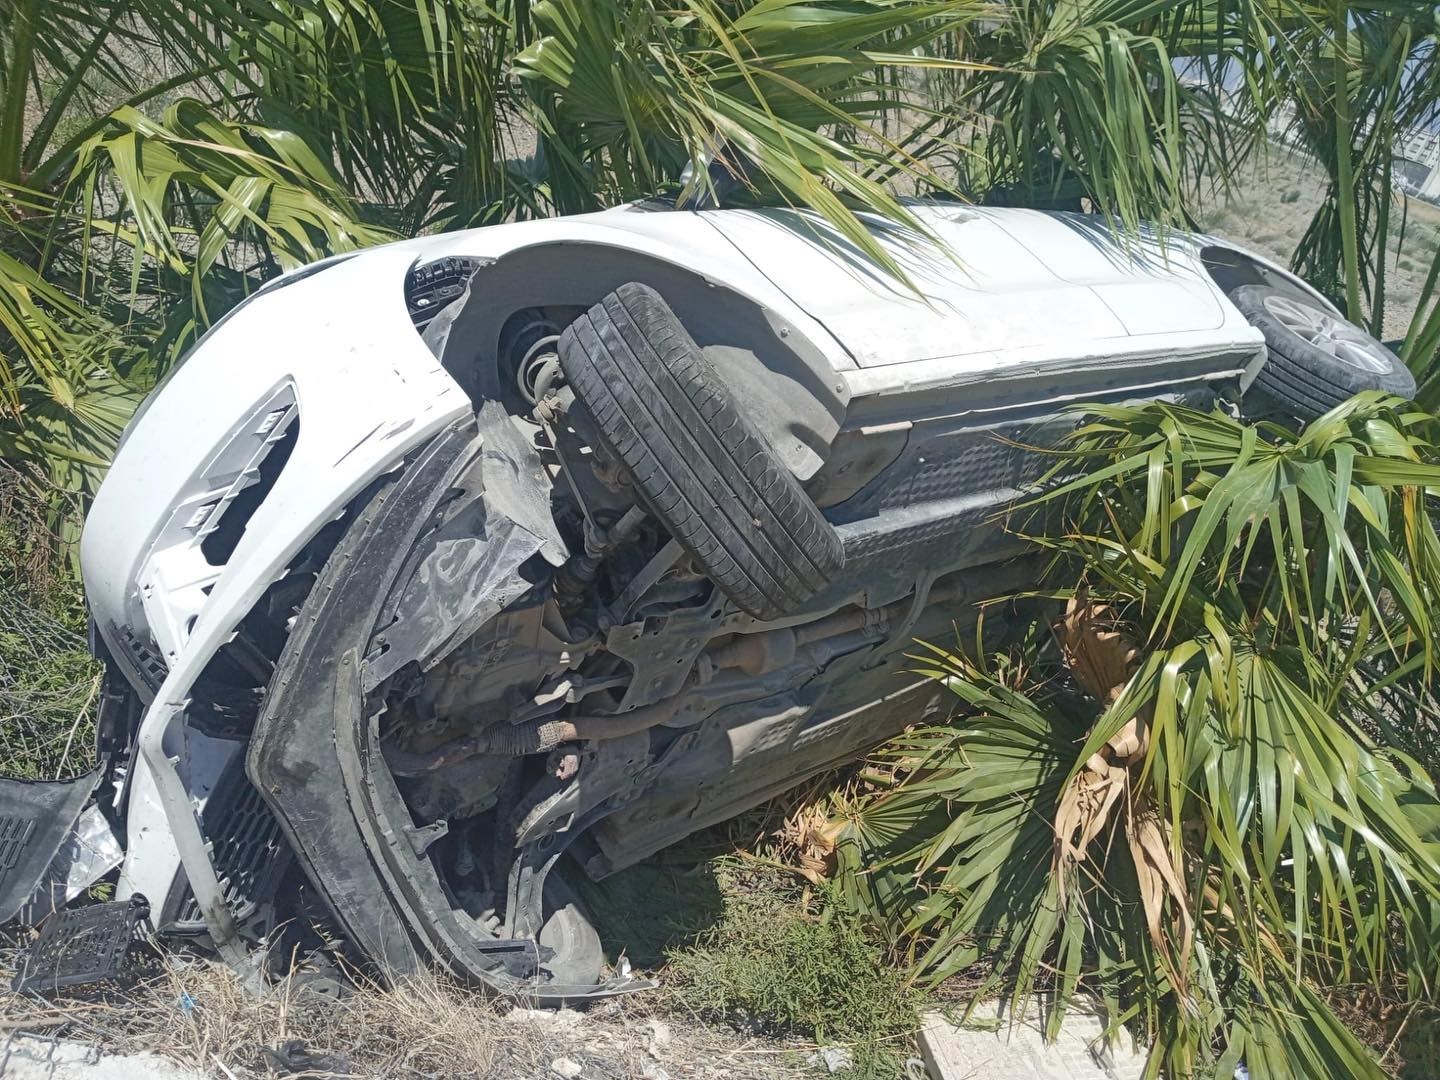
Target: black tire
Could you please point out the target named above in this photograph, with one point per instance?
(1306, 379)
(697, 463)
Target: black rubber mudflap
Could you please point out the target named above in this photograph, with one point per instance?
(35, 818)
(301, 748)
(81, 946)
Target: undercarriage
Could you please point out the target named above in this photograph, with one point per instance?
(530, 680)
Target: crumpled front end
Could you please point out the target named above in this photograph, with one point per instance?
(209, 526)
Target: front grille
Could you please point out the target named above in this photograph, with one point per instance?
(142, 661)
(14, 835)
(223, 531)
(247, 849)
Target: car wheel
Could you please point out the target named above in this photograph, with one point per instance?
(1316, 359)
(696, 461)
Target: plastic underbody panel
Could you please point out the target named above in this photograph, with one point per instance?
(923, 548)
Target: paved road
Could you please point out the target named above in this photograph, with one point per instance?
(35, 1057)
(1016, 1049)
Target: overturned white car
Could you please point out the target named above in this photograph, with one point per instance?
(443, 573)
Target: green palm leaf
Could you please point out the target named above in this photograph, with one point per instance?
(1260, 570)
(785, 94)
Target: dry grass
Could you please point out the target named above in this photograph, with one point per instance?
(201, 1016)
(1403, 1033)
(48, 680)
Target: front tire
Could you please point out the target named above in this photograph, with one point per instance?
(1315, 359)
(698, 463)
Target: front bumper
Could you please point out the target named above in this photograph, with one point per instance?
(328, 369)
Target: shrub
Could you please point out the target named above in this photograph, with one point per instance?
(1192, 807)
(783, 962)
(48, 680)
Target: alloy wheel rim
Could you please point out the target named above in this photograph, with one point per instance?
(1345, 342)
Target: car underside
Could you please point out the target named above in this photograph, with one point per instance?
(609, 545)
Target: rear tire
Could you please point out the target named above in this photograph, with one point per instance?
(696, 461)
(1315, 359)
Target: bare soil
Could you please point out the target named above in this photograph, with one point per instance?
(1271, 206)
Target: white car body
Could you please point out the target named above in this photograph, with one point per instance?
(1019, 299)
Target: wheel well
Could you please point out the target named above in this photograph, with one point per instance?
(797, 401)
(1230, 268)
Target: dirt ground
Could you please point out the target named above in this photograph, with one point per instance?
(196, 1020)
(1273, 203)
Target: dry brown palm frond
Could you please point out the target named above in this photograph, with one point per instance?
(1102, 657)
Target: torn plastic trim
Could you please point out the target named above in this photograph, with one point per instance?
(36, 818)
(195, 542)
(89, 851)
(161, 728)
(472, 576)
(509, 514)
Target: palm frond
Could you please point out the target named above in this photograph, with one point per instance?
(187, 201)
(1218, 837)
(1117, 104)
(783, 96)
(1421, 350)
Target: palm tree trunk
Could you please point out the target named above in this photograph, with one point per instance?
(1344, 169)
(17, 80)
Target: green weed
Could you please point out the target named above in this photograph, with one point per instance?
(784, 962)
(48, 680)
